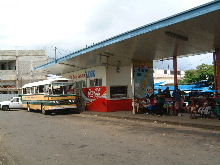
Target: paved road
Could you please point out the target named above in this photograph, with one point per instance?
(28, 138)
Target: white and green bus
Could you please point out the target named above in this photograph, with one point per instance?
(50, 95)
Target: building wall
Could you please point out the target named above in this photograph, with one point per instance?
(98, 97)
(16, 68)
(94, 95)
(119, 78)
(122, 78)
(166, 76)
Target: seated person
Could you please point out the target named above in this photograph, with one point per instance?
(139, 105)
(205, 109)
(193, 108)
(152, 104)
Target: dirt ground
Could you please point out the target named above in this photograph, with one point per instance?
(28, 138)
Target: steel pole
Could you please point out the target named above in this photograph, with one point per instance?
(217, 74)
(175, 52)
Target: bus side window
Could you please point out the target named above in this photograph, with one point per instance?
(41, 89)
(46, 89)
(24, 91)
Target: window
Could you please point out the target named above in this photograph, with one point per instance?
(41, 89)
(57, 89)
(8, 65)
(165, 71)
(118, 91)
(35, 89)
(178, 72)
(80, 84)
(69, 89)
(3, 66)
(15, 100)
(28, 90)
(47, 89)
(96, 82)
(32, 90)
(24, 91)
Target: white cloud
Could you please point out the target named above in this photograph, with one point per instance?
(72, 24)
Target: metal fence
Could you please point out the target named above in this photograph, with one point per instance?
(7, 97)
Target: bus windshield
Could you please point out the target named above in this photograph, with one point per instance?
(62, 89)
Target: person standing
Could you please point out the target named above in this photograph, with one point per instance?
(166, 93)
(153, 103)
(177, 98)
(160, 103)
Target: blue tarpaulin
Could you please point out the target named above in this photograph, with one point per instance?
(183, 87)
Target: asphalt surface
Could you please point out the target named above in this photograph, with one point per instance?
(28, 138)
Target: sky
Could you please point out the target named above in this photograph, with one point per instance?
(72, 24)
(185, 63)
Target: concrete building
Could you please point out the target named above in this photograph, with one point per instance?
(166, 76)
(16, 68)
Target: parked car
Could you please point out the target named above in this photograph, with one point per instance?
(14, 103)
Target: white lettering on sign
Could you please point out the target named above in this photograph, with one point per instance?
(91, 73)
(94, 93)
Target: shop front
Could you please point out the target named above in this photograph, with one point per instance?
(103, 88)
(109, 88)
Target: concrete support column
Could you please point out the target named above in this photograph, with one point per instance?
(175, 51)
(132, 87)
(17, 69)
(216, 59)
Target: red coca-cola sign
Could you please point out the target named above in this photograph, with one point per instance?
(95, 92)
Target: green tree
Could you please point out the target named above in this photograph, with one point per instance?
(202, 72)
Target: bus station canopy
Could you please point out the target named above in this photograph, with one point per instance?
(196, 31)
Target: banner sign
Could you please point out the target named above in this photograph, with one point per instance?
(87, 74)
(95, 92)
(143, 81)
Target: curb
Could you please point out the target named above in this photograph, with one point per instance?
(207, 127)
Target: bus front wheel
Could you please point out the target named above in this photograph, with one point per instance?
(45, 112)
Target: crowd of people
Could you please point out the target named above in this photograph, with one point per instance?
(162, 100)
(165, 103)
